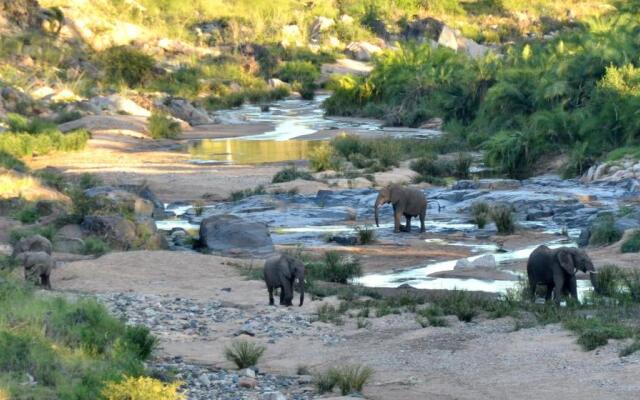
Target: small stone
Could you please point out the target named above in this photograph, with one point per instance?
(273, 396)
(247, 383)
(248, 372)
(305, 379)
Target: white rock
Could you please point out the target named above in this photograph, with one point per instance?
(346, 19)
(363, 51)
(248, 372)
(475, 50)
(116, 103)
(462, 264)
(485, 261)
(322, 24)
(291, 36)
(448, 38)
(276, 83)
(273, 396)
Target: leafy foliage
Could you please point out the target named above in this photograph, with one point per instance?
(142, 388)
(161, 126)
(244, 354)
(291, 174)
(126, 65)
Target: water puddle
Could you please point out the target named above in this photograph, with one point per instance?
(420, 277)
(244, 151)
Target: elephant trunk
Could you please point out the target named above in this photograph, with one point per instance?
(375, 209)
(301, 281)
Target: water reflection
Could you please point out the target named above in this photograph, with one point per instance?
(236, 151)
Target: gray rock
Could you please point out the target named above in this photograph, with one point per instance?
(363, 51)
(248, 372)
(115, 229)
(184, 110)
(233, 236)
(117, 104)
(273, 396)
(108, 197)
(69, 239)
(204, 379)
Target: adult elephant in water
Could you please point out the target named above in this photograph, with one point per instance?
(281, 272)
(406, 202)
(556, 269)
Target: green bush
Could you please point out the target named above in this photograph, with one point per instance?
(298, 71)
(481, 213)
(9, 161)
(431, 170)
(20, 123)
(603, 231)
(26, 144)
(352, 378)
(291, 173)
(461, 304)
(323, 158)
(366, 234)
(632, 245)
(502, 215)
(88, 181)
(126, 65)
(461, 166)
(142, 388)
(244, 354)
(326, 381)
(27, 214)
(596, 332)
(161, 126)
(328, 314)
(95, 246)
(18, 233)
(241, 194)
(334, 268)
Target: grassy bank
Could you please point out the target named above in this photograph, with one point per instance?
(66, 349)
(575, 93)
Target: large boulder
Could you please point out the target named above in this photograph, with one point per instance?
(146, 193)
(108, 198)
(69, 239)
(291, 36)
(114, 229)
(184, 110)
(363, 51)
(233, 236)
(35, 243)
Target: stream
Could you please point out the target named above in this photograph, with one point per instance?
(546, 204)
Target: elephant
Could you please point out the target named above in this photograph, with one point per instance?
(33, 243)
(281, 272)
(37, 267)
(405, 201)
(556, 268)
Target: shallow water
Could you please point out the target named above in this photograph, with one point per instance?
(245, 151)
(420, 278)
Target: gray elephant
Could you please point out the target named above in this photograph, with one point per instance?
(37, 267)
(31, 244)
(406, 202)
(281, 272)
(556, 268)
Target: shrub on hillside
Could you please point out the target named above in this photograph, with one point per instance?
(603, 231)
(632, 245)
(502, 215)
(26, 144)
(126, 65)
(291, 174)
(142, 388)
(244, 354)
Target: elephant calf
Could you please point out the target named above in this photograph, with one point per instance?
(556, 268)
(281, 272)
(37, 267)
(407, 202)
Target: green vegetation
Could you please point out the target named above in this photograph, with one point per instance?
(431, 316)
(28, 137)
(502, 215)
(480, 212)
(632, 245)
(291, 173)
(241, 194)
(323, 158)
(27, 214)
(542, 98)
(72, 349)
(95, 246)
(349, 379)
(328, 314)
(142, 388)
(603, 231)
(161, 126)
(366, 234)
(244, 354)
(126, 66)
(334, 268)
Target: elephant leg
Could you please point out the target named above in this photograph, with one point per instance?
(532, 289)
(408, 217)
(547, 295)
(45, 281)
(270, 289)
(288, 293)
(557, 290)
(572, 287)
(282, 295)
(422, 217)
(396, 221)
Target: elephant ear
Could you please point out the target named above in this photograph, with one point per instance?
(566, 261)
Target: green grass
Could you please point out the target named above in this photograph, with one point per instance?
(603, 231)
(334, 268)
(329, 314)
(18, 233)
(502, 215)
(161, 126)
(366, 234)
(241, 194)
(126, 66)
(95, 246)
(244, 354)
(632, 244)
(480, 212)
(72, 349)
(349, 379)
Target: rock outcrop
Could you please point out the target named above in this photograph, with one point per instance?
(363, 51)
(229, 235)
